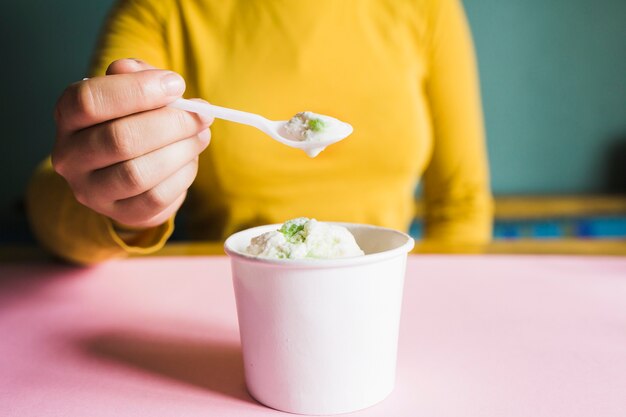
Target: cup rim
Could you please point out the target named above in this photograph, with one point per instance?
(403, 249)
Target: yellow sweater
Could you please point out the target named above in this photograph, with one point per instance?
(401, 72)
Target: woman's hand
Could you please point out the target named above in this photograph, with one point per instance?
(121, 151)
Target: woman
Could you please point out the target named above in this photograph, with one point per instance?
(401, 72)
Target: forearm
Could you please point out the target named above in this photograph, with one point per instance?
(456, 184)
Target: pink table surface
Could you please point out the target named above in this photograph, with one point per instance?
(480, 336)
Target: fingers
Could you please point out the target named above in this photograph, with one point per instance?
(164, 215)
(122, 151)
(136, 176)
(100, 99)
(124, 139)
(139, 210)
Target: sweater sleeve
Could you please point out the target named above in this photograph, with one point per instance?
(60, 223)
(458, 202)
(76, 233)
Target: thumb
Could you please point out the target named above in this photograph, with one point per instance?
(127, 65)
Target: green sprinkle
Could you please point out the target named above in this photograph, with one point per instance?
(316, 125)
(289, 230)
(293, 230)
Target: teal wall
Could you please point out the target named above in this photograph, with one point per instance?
(553, 79)
(44, 46)
(553, 76)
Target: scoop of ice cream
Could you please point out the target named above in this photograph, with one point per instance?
(305, 238)
(308, 126)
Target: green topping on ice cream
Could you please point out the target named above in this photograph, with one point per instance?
(293, 229)
(305, 238)
(308, 126)
(316, 125)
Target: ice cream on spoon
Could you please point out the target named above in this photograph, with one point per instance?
(308, 131)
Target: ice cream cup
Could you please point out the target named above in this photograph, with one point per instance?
(320, 336)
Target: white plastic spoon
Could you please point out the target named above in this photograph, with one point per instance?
(275, 129)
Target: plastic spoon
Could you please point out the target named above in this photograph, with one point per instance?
(274, 129)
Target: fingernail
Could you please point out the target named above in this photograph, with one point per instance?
(135, 63)
(173, 84)
(141, 64)
(205, 135)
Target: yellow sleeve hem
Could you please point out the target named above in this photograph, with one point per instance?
(142, 242)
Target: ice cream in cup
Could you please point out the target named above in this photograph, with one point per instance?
(319, 311)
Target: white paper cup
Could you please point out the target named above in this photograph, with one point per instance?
(321, 336)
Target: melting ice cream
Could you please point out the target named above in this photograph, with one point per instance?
(304, 238)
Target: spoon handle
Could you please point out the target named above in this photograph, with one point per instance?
(212, 110)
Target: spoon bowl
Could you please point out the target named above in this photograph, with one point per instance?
(274, 129)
